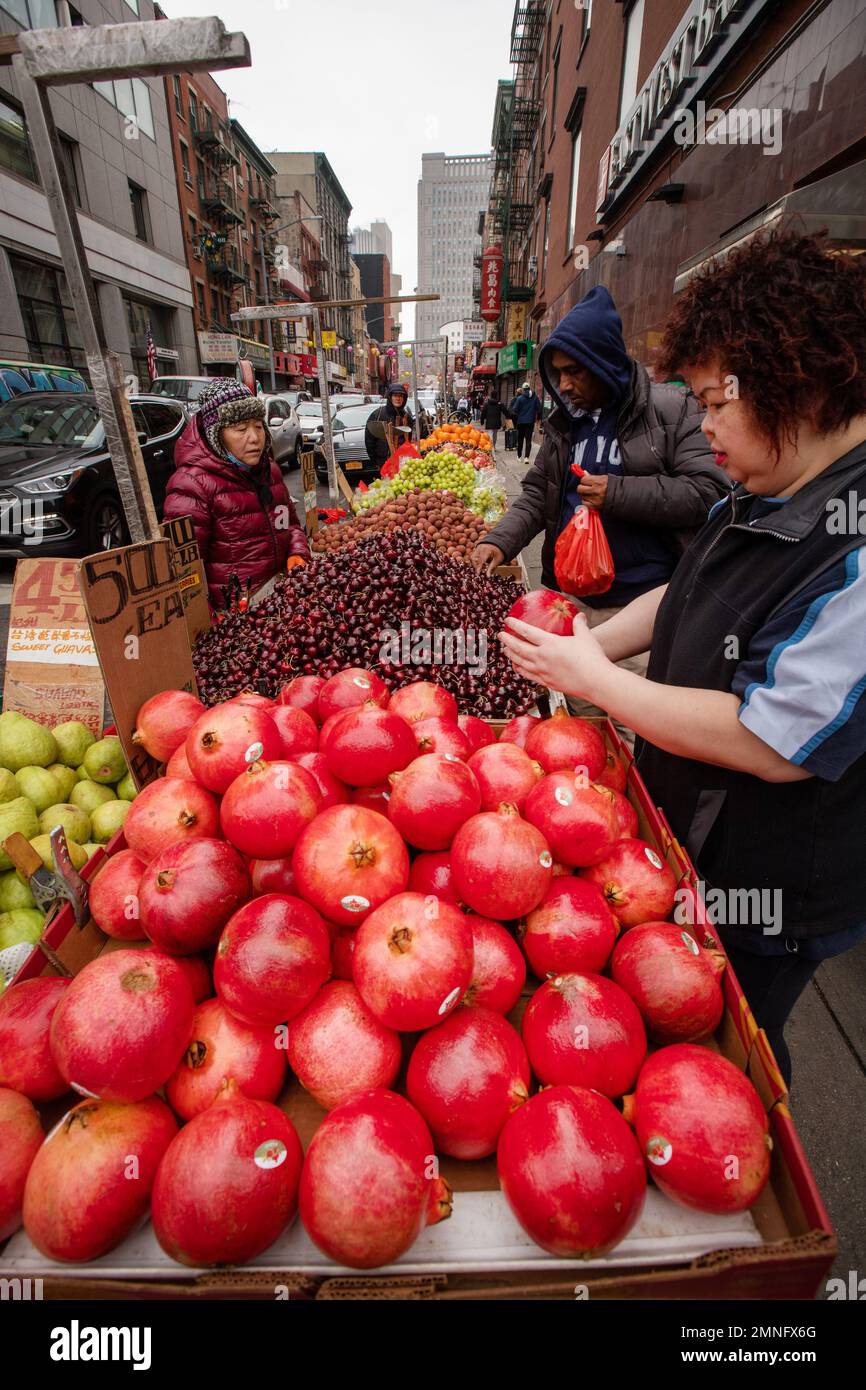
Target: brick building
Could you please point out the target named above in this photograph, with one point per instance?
(605, 173)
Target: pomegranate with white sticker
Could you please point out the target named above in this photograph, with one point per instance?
(576, 819)
(674, 981)
(348, 862)
(226, 739)
(502, 864)
(637, 883)
(413, 961)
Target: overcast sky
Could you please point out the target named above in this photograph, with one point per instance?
(373, 85)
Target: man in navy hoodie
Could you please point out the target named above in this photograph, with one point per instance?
(648, 468)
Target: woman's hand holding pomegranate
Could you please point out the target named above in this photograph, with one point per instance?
(569, 664)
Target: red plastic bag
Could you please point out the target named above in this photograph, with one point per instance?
(392, 467)
(582, 561)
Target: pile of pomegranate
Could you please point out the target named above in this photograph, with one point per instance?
(336, 611)
(349, 887)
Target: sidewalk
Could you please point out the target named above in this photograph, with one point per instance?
(827, 1041)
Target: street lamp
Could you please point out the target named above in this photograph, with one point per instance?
(274, 231)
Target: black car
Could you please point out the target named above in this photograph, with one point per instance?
(58, 492)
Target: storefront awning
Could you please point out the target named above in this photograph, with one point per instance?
(837, 202)
(484, 371)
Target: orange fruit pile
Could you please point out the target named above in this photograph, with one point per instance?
(457, 434)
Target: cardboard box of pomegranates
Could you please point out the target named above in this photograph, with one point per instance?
(782, 1247)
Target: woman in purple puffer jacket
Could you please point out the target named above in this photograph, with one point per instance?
(227, 480)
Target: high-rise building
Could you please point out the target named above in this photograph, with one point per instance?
(115, 143)
(452, 191)
(375, 240)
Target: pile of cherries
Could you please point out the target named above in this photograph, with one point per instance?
(334, 612)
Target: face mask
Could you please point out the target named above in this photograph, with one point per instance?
(239, 463)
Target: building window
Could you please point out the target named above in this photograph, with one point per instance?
(630, 58)
(194, 236)
(193, 112)
(572, 198)
(70, 160)
(132, 100)
(138, 199)
(200, 301)
(556, 55)
(184, 163)
(32, 14)
(178, 97)
(138, 316)
(15, 153)
(49, 318)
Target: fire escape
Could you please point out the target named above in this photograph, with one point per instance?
(518, 118)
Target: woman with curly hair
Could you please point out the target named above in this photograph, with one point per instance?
(752, 723)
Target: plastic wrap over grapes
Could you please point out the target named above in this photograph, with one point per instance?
(484, 494)
(370, 605)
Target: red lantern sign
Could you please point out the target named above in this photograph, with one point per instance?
(492, 267)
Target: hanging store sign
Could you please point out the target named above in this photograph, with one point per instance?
(517, 357)
(217, 347)
(702, 44)
(492, 269)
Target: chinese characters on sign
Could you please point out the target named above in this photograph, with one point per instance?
(492, 265)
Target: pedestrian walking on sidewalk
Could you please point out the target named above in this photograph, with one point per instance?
(524, 410)
(227, 480)
(752, 723)
(491, 417)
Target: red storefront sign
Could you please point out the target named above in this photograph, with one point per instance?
(308, 365)
(492, 267)
(288, 363)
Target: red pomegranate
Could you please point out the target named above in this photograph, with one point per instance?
(505, 775)
(571, 1172)
(364, 746)
(189, 892)
(369, 1184)
(572, 929)
(164, 721)
(222, 1046)
(614, 774)
(227, 1186)
(121, 1028)
(253, 699)
(267, 806)
(273, 957)
(90, 1183)
(518, 730)
(702, 1129)
(196, 970)
(625, 814)
(333, 792)
(376, 798)
(502, 864)
(26, 1011)
(431, 799)
(114, 904)
(440, 735)
(638, 884)
(303, 692)
(499, 970)
(178, 765)
(413, 961)
(577, 821)
(348, 862)
(466, 1076)
(432, 874)
(338, 1048)
(673, 981)
(424, 700)
(298, 730)
(544, 608)
(226, 739)
(476, 730)
(272, 876)
(352, 689)
(343, 952)
(20, 1140)
(566, 743)
(583, 1030)
(168, 810)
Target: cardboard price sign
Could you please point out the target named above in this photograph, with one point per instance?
(139, 626)
(52, 670)
(188, 569)
(308, 483)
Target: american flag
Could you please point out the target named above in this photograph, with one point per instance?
(151, 353)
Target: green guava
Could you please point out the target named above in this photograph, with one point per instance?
(107, 819)
(24, 743)
(75, 822)
(73, 740)
(104, 761)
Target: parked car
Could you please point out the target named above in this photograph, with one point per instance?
(180, 388)
(20, 378)
(353, 398)
(350, 449)
(310, 416)
(285, 427)
(58, 492)
(295, 398)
